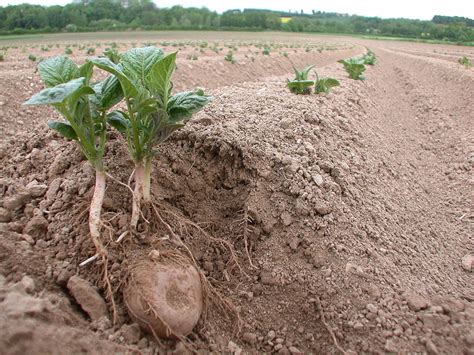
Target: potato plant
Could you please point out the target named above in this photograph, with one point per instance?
(230, 57)
(369, 58)
(301, 84)
(152, 112)
(84, 106)
(68, 51)
(324, 85)
(32, 57)
(113, 54)
(354, 67)
(465, 61)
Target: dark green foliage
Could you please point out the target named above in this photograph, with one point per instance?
(32, 57)
(100, 15)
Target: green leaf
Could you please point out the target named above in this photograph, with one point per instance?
(108, 93)
(159, 78)
(57, 94)
(128, 87)
(137, 62)
(300, 83)
(119, 120)
(325, 84)
(166, 130)
(184, 104)
(73, 99)
(63, 129)
(85, 71)
(57, 70)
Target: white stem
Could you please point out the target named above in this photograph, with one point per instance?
(137, 194)
(95, 210)
(146, 181)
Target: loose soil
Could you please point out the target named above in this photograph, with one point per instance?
(323, 223)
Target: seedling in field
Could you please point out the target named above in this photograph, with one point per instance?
(354, 67)
(369, 58)
(32, 57)
(285, 54)
(2, 56)
(324, 85)
(230, 57)
(301, 84)
(90, 50)
(465, 61)
(113, 55)
(84, 107)
(152, 112)
(68, 51)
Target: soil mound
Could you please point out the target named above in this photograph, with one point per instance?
(298, 209)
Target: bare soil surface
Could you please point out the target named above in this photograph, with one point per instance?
(337, 223)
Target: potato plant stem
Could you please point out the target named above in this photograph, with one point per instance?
(146, 180)
(137, 194)
(95, 211)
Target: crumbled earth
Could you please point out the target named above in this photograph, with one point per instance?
(350, 216)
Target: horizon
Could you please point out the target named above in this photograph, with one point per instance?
(419, 10)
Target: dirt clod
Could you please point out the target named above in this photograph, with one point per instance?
(87, 297)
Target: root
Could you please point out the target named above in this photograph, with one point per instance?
(210, 293)
(244, 223)
(186, 222)
(323, 319)
(110, 293)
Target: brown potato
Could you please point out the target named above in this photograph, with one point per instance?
(164, 296)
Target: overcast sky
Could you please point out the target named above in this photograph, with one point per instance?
(421, 9)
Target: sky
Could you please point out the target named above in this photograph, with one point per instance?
(415, 9)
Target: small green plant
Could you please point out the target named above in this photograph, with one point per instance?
(152, 113)
(369, 58)
(285, 54)
(266, 51)
(465, 61)
(2, 56)
(45, 48)
(84, 107)
(32, 57)
(230, 57)
(354, 67)
(90, 51)
(324, 85)
(192, 57)
(68, 51)
(112, 54)
(301, 84)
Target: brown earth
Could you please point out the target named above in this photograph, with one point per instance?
(356, 207)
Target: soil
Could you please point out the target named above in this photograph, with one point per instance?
(327, 223)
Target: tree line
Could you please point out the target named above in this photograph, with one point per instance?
(109, 15)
